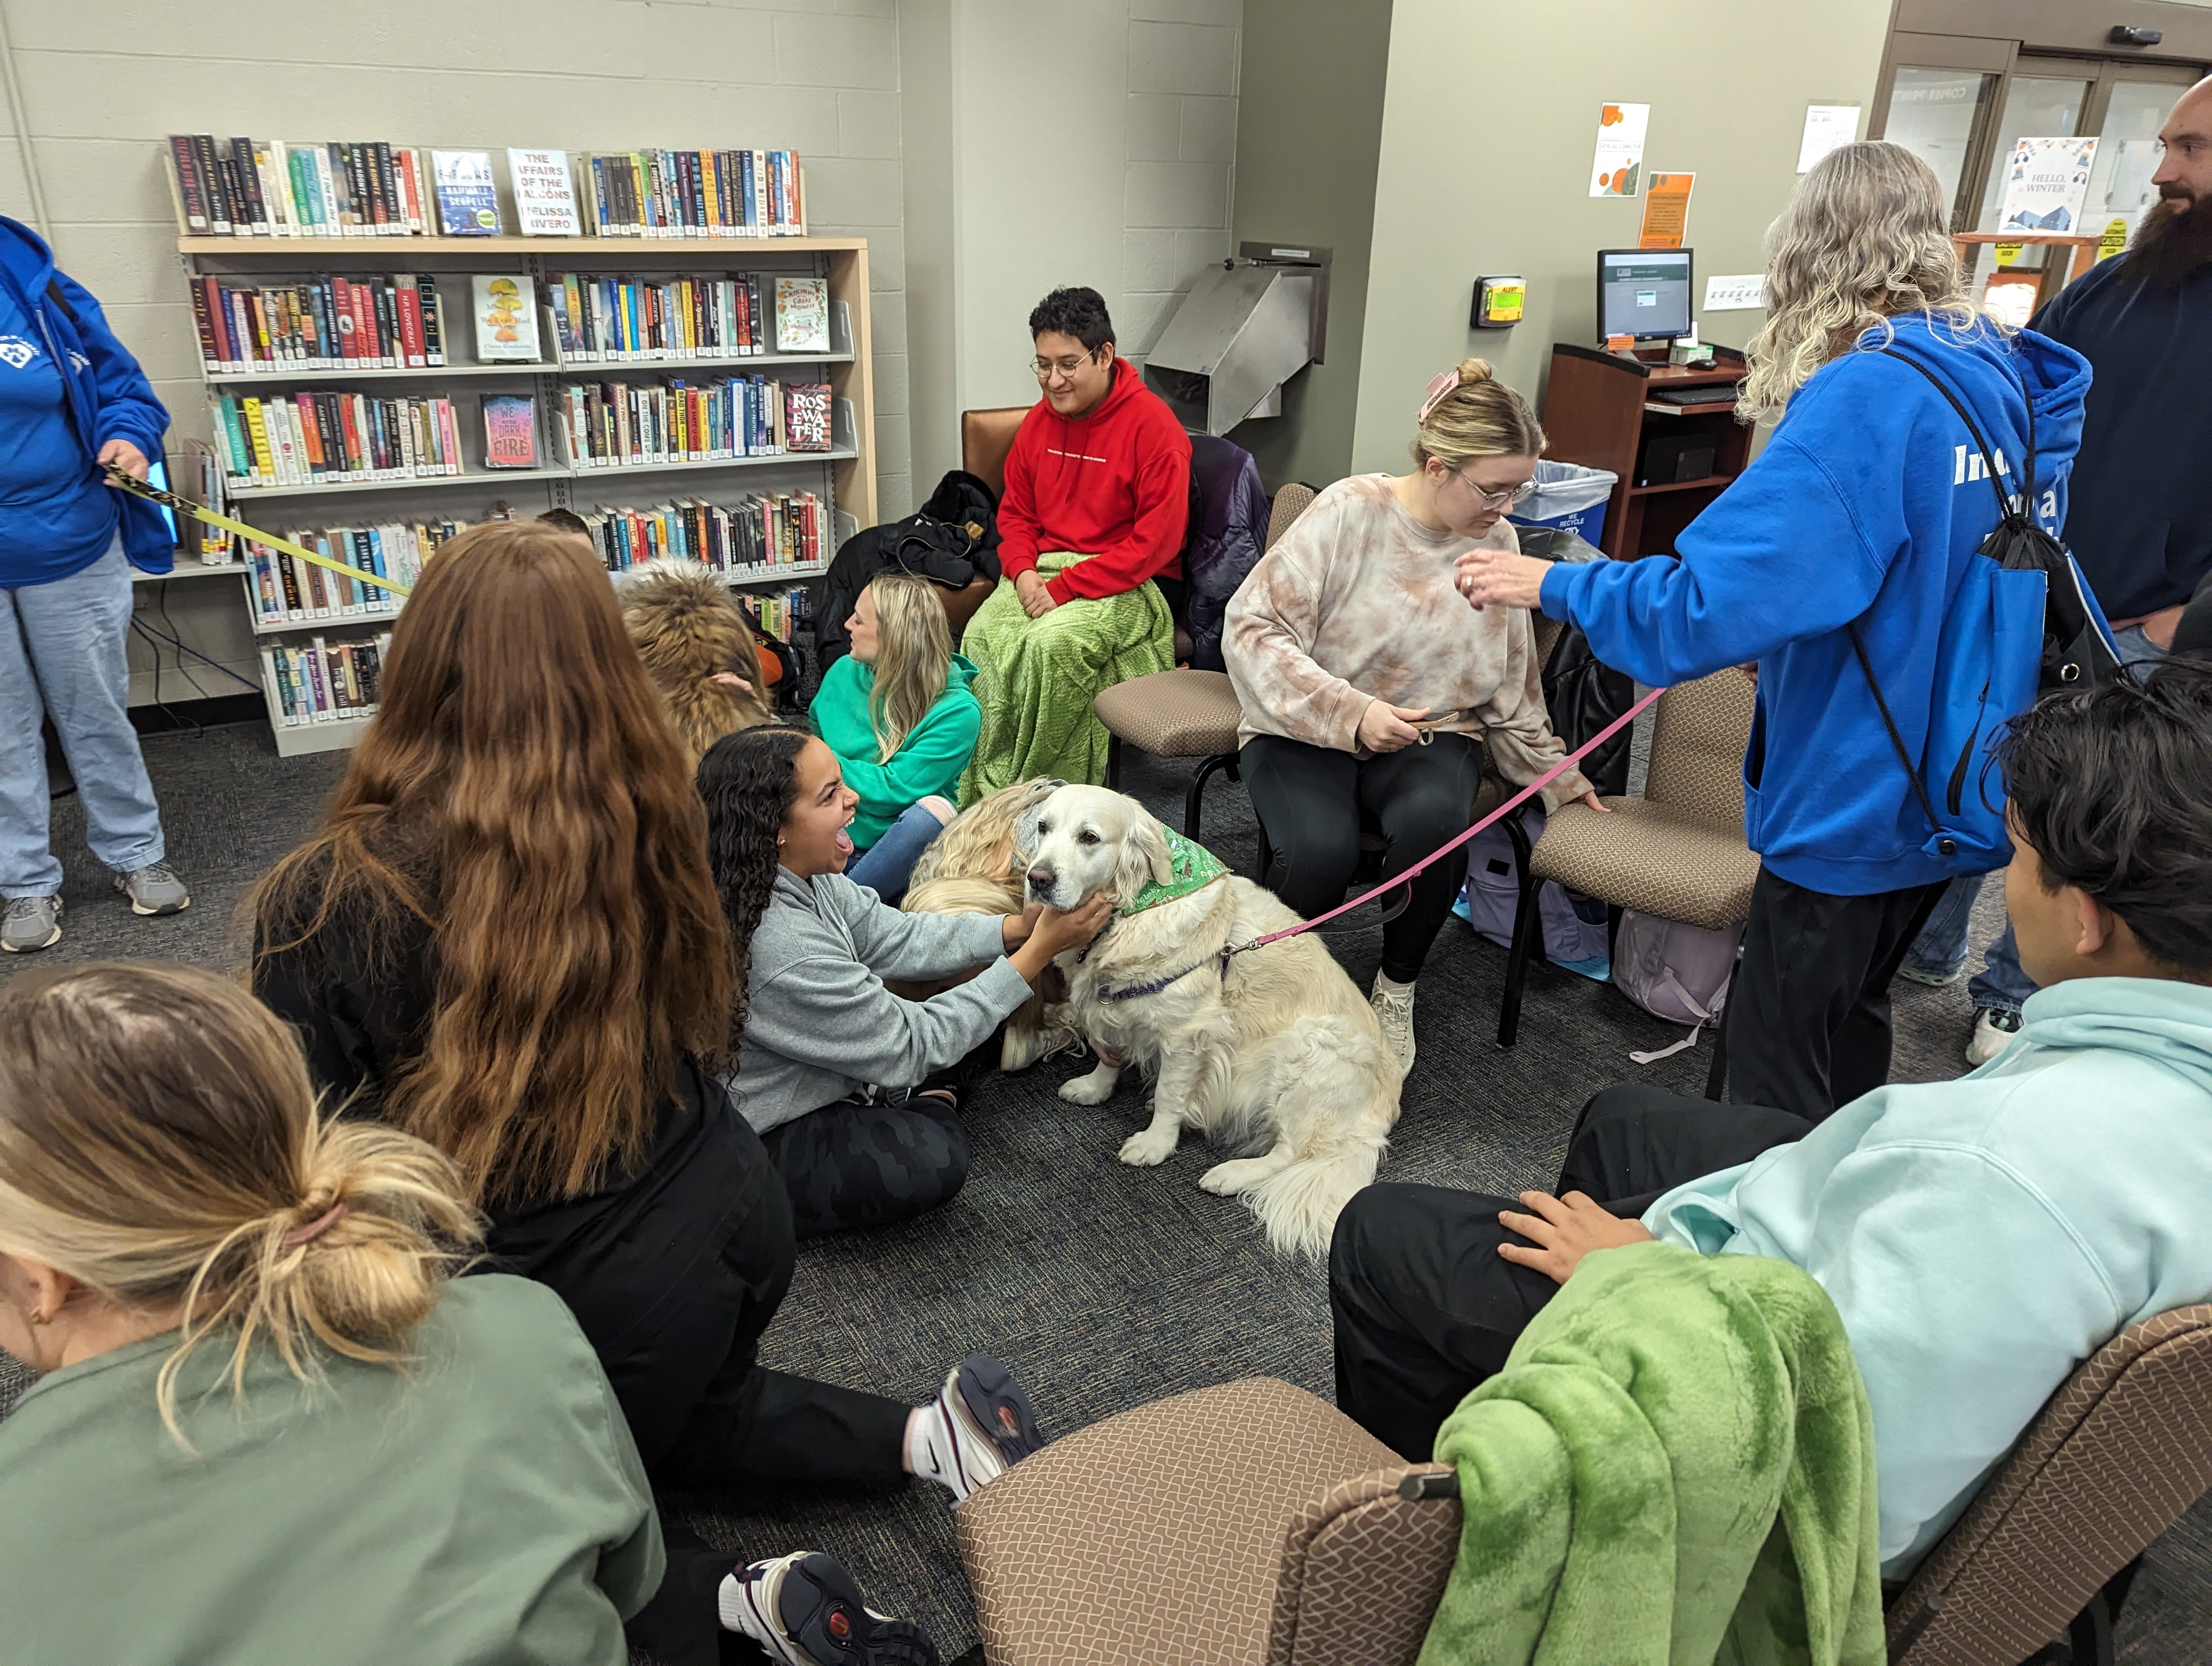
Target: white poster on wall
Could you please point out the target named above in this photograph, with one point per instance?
(1827, 127)
(1745, 293)
(2047, 184)
(1619, 166)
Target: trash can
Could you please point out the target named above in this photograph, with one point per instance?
(1570, 497)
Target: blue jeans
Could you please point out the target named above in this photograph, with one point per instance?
(1940, 951)
(884, 866)
(61, 651)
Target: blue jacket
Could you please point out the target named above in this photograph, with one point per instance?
(109, 398)
(1981, 1237)
(2142, 524)
(1866, 505)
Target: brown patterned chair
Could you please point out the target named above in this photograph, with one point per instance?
(1678, 852)
(1185, 713)
(1245, 1525)
(2050, 1543)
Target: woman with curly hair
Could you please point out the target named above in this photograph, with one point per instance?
(505, 939)
(834, 1070)
(1830, 563)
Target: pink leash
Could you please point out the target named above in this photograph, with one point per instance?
(1514, 803)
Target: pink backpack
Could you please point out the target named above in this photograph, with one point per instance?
(1672, 971)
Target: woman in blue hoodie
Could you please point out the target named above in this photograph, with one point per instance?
(1863, 511)
(72, 400)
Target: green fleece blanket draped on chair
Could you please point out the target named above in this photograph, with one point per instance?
(1034, 679)
(1675, 1466)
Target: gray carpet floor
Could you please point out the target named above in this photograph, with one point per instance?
(1103, 1286)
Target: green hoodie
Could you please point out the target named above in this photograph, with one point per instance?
(929, 760)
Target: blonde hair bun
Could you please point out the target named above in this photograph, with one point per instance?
(1473, 371)
(1480, 416)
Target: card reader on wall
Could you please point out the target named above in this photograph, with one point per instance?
(1498, 302)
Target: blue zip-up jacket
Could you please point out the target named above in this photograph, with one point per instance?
(1866, 505)
(108, 398)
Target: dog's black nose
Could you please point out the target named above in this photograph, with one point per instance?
(1041, 880)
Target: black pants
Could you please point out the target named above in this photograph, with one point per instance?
(852, 1165)
(1425, 1307)
(1309, 800)
(1808, 1024)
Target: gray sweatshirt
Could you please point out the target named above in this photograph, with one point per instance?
(821, 1026)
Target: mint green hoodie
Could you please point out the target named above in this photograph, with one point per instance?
(929, 760)
(1982, 1237)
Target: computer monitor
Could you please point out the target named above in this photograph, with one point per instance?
(1643, 292)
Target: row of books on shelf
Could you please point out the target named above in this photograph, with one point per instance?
(324, 322)
(601, 317)
(782, 614)
(286, 590)
(247, 187)
(766, 529)
(621, 424)
(314, 438)
(325, 682)
(320, 323)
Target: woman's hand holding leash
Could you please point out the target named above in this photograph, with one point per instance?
(122, 454)
(1384, 727)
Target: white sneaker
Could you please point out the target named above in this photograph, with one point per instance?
(1994, 1029)
(979, 1426)
(1394, 1011)
(804, 1610)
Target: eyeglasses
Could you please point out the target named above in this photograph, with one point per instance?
(1046, 370)
(1505, 499)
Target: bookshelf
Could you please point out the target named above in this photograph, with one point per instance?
(844, 477)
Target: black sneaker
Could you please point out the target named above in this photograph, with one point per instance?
(804, 1610)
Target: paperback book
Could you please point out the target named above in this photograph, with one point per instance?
(802, 315)
(468, 198)
(544, 195)
(806, 416)
(598, 317)
(510, 422)
(318, 323)
(247, 187)
(505, 314)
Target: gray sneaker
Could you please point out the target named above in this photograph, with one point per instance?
(32, 922)
(154, 889)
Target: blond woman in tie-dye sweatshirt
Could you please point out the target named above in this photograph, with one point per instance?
(1369, 686)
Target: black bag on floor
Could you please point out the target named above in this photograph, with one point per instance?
(952, 540)
(1581, 691)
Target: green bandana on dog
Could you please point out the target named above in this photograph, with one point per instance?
(1195, 868)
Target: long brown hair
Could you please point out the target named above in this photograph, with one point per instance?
(160, 1143)
(521, 793)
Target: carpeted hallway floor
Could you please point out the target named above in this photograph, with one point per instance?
(1103, 1286)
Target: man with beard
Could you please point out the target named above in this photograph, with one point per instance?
(2140, 521)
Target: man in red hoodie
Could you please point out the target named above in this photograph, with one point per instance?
(1097, 493)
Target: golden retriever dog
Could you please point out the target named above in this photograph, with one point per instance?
(691, 635)
(974, 867)
(1275, 1047)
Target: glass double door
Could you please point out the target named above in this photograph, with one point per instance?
(1961, 104)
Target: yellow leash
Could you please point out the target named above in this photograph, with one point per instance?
(125, 483)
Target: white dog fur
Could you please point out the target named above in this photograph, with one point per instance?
(1280, 1049)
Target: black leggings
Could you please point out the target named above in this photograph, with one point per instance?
(854, 1165)
(1309, 799)
(1425, 1307)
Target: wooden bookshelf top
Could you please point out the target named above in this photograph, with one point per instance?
(646, 250)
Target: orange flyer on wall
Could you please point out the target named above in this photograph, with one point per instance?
(1666, 211)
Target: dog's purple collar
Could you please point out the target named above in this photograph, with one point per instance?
(1137, 990)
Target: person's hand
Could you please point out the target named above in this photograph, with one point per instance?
(1498, 575)
(2161, 626)
(730, 679)
(1590, 801)
(1056, 933)
(1384, 727)
(1564, 1231)
(1018, 928)
(1036, 600)
(122, 454)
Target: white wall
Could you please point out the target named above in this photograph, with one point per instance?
(1489, 121)
(1050, 143)
(103, 84)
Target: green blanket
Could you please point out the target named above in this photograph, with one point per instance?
(1675, 1466)
(1034, 679)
